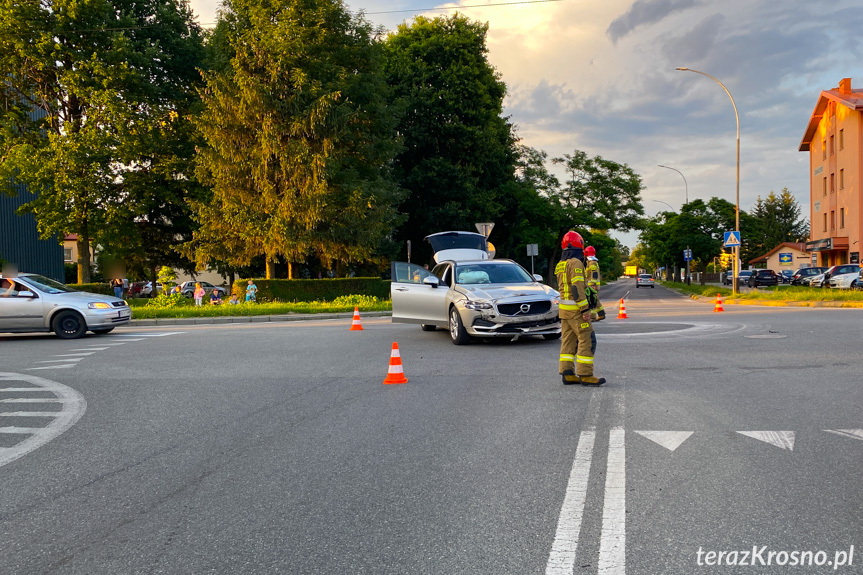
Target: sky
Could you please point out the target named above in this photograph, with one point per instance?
(600, 77)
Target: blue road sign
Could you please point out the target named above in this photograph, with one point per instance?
(732, 239)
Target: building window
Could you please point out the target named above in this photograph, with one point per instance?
(832, 219)
(825, 185)
(841, 139)
(825, 221)
(832, 146)
(67, 254)
(842, 179)
(823, 149)
(841, 218)
(832, 183)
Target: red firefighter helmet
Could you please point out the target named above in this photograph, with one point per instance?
(589, 251)
(572, 240)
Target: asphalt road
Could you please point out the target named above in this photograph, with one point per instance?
(275, 448)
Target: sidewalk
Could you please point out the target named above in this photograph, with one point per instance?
(252, 318)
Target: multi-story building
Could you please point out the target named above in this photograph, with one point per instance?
(834, 140)
(19, 239)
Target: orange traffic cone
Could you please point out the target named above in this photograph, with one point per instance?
(356, 325)
(718, 303)
(395, 374)
(622, 314)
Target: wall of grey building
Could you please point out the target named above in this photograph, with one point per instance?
(19, 239)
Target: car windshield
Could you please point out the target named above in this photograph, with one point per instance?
(47, 285)
(492, 273)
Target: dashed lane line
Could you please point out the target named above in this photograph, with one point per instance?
(73, 407)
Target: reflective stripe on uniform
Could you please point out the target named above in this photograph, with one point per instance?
(567, 357)
(569, 307)
(581, 303)
(584, 359)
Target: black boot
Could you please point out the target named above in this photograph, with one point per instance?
(591, 380)
(568, 376)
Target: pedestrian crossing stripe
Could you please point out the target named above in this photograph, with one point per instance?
(852, 433)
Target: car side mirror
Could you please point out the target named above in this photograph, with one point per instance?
(27, 294)
(537, 277)
(431, 281)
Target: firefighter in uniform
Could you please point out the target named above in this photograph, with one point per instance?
(597, 312)
(578, 342)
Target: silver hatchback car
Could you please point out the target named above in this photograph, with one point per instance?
(33, 303)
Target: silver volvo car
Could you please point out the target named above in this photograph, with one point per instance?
(30, 302)
(472, 295)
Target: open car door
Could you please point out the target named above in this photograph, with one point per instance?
(417, 295)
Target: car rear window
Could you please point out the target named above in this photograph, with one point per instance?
(645, 277)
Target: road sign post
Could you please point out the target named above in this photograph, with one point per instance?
(532, 250)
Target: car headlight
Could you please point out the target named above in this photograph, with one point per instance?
(478, 305)
(99, 305)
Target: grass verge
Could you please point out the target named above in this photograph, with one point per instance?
(243, 309)
(780, 293)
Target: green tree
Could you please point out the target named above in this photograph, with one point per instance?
(89, 89)
(459, 159)
(299, 140)
(776, 220)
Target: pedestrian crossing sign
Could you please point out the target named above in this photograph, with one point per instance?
(732, 239)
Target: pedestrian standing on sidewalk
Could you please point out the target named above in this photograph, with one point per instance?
(199, 294)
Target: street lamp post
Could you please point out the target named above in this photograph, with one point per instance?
(688, 250)
(666, 265)
(735, 268)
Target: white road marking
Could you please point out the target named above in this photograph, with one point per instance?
(19, 389)
(852, 433)
(90, 349)
(121, 343)
(71, 359)
(32, 400)
(58, 366)
(781, 439)
(612, 545)
(74, 406)
(561, 560)
(147, 334)
(80, 353)
(20, 430)
(670, 440)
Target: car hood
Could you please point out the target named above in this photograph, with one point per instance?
(81, 296)
(499, 292)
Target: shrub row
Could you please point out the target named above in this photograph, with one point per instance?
(104, 289)
(315, 289)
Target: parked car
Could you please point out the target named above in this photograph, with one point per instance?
(762, 278)
(822, 280)
(34, 303)
(806, 274)
(472, 295)
(785, 276)
(743, 277)
(843, 275)
(848, 281)
(188, 288)
(147, 289)
(645, 280)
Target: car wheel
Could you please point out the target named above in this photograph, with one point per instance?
(551, 336)
(69, 325)
(102, 331)
(457, 332)
(651, 287)
(855, 285)
(428, 327)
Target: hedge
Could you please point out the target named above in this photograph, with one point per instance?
(315, 289)
(104, 289)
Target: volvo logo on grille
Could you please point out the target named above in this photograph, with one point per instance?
(525, 307)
